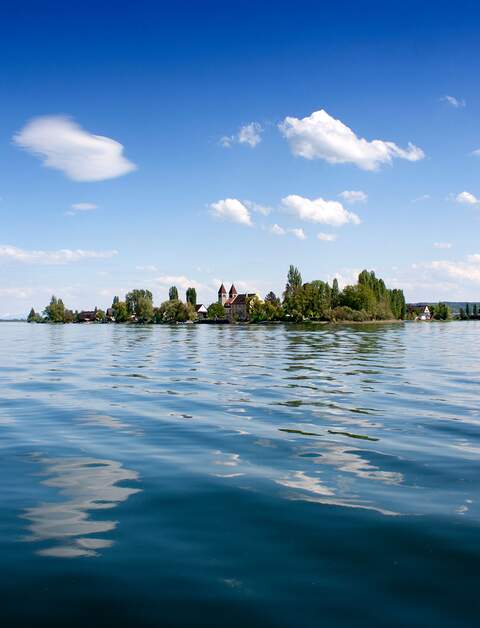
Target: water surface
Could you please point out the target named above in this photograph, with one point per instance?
(229, 476)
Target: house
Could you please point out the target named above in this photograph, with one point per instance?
(201, 310)
(109, 315)
(419, 312)
(235, 304)
(87, 316)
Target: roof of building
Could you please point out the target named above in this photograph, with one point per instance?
(232, 291)
(222, 290)
(199, 306)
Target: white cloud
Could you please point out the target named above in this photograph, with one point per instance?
(80, 155)
(353, 196)
(418, 199)
(476, 152)
(456, 103)
(248, 134)
(326, 237)
(178, 280)
(61, 256)
(232, 209)
(277, 230)
(16, 293)
(80, 207)
(321, 211)
(255, 207)
(466, 198)
(442, 245)
(469, 271)
(319, 136)
(298, 233)
(150, 268)
(474, 259)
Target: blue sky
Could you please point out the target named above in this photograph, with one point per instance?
(229, 131)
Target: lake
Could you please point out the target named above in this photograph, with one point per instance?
(278, 475)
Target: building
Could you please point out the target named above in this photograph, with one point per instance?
(235, 304)
(201, 310)
(419, 312)
(87, 316)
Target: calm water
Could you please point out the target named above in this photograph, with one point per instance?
(214, 476)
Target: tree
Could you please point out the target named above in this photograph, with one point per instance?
(33, 317)
(293, 305)
(120, 311)
(442, 312)
(100, 316)
(463, 314)
(334, 300)
(192, 296)
(174, 311)
(173, 293)
(475, 311)
(272, 298)
(140, 304)
(216, 311)
(55, 311)
(467, 310)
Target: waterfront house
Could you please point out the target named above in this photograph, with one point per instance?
(87, 316)
(201, 310)
(235, 304)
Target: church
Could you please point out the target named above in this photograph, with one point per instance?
(235, 304)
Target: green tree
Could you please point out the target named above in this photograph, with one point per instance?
(192, 296)
(173, 293)
(33, 317)
(463, 314)
(475, 311)
(174, 311)
(140, 304)
(55, 311)
(442, 312)
(100, 316)
(272, 298)
(467, 310)
(334, 299)
(293, 302)
(216, 311)
(120, 311)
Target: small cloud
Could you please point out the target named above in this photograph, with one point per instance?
(65, 146)
(232, 209)
(298, 233)
(249, 134)
(277, 230)
(319, 210)
(149, 268)
(178, 280)
(80, 207)
(61, 256)
(320, 136)
(353, 196)
(476, 152)
(326, 237)
(442, 245)
(466, 198)
(456, 103)
(255, 207)
(422, 197)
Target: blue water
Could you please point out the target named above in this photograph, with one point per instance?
(213, 475)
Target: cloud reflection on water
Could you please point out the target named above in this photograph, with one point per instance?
(85, 485)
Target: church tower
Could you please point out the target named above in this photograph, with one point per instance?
(222, 295)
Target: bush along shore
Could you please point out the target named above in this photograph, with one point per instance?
(368, 300)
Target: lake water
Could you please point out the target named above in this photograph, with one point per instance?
(240, 476)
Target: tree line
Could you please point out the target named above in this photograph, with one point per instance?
(368, 299)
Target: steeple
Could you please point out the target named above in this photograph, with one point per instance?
(222, 294)
(233, 292)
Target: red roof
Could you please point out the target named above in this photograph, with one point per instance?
(222, 290)
(233, 291)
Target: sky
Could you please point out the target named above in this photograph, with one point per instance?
(149, 144)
